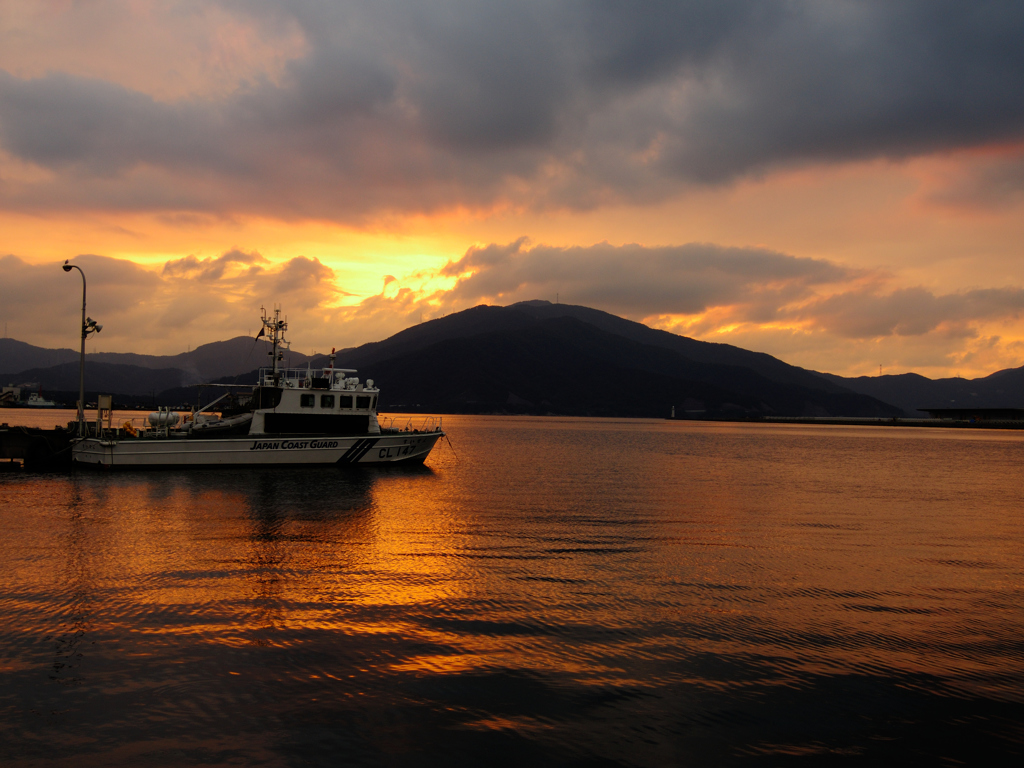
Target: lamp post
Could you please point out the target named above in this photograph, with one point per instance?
(88, 326)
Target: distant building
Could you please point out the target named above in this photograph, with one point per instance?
(976, 414)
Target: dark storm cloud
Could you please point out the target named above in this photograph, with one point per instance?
(834, 81)
(61, 120)
(415, 106)
(490, 76)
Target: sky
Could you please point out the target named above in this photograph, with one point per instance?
(836, 183)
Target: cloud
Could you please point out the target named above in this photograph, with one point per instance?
(807, 311)
(639, 281)
(810, 312)
(301, 275)
(189, 301)
(213, 269)
(44, 302)
(990, 180)
(861, 314)
(168, 50)
(835, 81)
(702, 288)
(395, 106)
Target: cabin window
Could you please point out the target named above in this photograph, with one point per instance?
(268, 397)
(327, 401)
(345, 401)
(362, 401)
(373, 402)
(307, 401)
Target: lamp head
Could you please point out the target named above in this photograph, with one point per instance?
(66, 267)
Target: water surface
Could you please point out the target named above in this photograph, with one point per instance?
(552, 591)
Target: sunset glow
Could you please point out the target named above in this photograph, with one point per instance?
(796, 182)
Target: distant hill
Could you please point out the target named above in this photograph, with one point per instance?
(532, 357)
(565, 366)
(485, 319)
(698, 351)
(17, 356)
(209, 361)
(103, 377)
(910, 391)
(537, 357)
(116, 371)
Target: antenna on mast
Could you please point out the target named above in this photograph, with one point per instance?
(275, 328)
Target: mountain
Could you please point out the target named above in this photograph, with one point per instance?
(698, 351)
(911, 392)
(209, 361)
(57, 369)
(484, 319)
(531, 357)
(563, 365)
(108, 378)
(537, 357)
(17, 356)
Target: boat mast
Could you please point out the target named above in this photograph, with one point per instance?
(275, 329)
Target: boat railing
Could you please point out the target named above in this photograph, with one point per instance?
(140, 426)
(395, 424)
(301, 378)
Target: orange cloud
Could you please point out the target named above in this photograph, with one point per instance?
(807, 311)
(855, 178)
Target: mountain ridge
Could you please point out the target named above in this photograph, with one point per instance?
(725, 380)
(26, 362)
(457, 351)
(565, 366)
(476, 320)
(915, 393)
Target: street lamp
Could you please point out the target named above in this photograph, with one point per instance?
(88, 326)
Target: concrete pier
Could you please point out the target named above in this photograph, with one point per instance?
(34, 448)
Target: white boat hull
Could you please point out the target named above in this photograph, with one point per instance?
(254, 450)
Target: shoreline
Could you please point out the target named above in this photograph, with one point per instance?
(863, 421)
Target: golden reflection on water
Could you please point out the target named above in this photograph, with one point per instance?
(666, 569)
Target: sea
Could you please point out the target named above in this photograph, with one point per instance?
(542, 592)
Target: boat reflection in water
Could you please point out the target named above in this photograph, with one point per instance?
(690, 593)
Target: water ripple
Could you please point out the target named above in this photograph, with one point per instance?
(687, 594)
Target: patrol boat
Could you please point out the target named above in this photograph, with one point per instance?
(292, 416)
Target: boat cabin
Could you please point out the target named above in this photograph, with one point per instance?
(305, 401)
